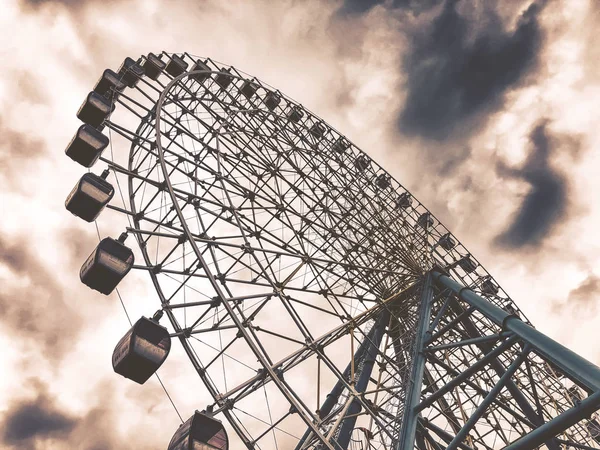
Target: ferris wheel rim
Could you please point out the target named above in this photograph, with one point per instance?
(289, 168)
(180, 215)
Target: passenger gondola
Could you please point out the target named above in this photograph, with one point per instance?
(447, 242)
(95, 109)
(141, 352)
(130, 72)
(488, 287)
(271, 100)
(87, 145)
(176, 66)
(361, 163)
(200, 77)
(109, 85)
(224, 78)
(467, 264)
(340, 145)
(153, 66)
(107, 265)
(295, 114)
(248, 89)
(89, 196)
(383, 181)
(593, 427)
(200, 432)
(403, 201)
(317, 130)
(425, 220)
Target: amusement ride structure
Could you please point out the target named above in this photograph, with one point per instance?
(321, 305)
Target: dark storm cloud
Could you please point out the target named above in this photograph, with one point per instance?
(42, 422)
(34, 307)
(458, 71)
(35, 420)
(69, 4)
(357, 7)
(451, 161)
(545, 205)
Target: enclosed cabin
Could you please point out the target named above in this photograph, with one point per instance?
(95, 110)
(361, 163)
(593, 428)
(489, 287)
(467, 264)
(295, 114)
(153, 66)
(109, 85)
(317, 130)
(141, 352)
(89, 196)
(510, 308)
(272, 99)
(383, 181)
(340, 145)
(248, 89)
(200, 432)
(200, 66)
(403, 201)
(87, 145)
(176, 66)
(447, 242)
(425, 220)
(575, 395)
(224, 78)
(131, 72)
(107, 265)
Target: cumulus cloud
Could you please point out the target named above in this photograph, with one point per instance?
(587, 293)
(582, 301)
(34, 306)
(17, 150)
(545, 205)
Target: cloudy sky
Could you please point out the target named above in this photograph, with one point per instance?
(487, 111)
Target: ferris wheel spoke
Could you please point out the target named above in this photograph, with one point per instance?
(311, 348)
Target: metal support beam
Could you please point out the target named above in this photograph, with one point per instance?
(498, 367)
(444, 435)
(487, 358)
(371, 352)
(413, 394)
(558, 424)
(487, 401)
(576, 367)
(338, 388)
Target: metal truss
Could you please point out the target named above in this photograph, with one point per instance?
(321, 305)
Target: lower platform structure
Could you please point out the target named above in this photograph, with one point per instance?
(478, 377)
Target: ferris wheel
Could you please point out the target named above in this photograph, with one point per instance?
(319, 302)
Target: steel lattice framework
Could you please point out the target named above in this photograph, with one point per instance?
(319, 302)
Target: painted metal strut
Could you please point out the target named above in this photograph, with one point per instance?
(367, 351)
(577, 368)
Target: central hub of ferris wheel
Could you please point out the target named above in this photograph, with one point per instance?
(319, 302)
